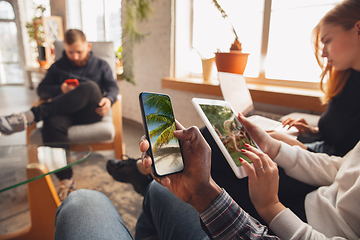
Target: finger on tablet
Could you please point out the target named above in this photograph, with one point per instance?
(262, 159)
(250, 171)
(253, 157)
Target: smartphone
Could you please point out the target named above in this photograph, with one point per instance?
(159, 124)
(72, 82)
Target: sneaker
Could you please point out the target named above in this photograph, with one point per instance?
(126, 171)
(16, 122)
(66, 187)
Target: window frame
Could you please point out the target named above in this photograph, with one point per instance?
(73, 21)
(23, 56)
(183, 47)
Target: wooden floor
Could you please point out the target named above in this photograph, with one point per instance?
(91, 174)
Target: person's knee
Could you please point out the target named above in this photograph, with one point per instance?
(157, 200)
(82, 198)
(156, 193)
(71, 203)
(89, 87)
(85, 213)
(86, 196)
(155, 188)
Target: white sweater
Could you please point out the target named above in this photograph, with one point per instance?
(333, 210)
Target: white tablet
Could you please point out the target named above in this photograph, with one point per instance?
(229, 134)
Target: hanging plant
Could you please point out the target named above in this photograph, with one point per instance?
(136, 11)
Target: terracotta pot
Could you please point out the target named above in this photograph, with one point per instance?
(232, 62)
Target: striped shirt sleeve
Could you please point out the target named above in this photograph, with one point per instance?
(224, 219)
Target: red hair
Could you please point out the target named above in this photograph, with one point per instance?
(345, 15)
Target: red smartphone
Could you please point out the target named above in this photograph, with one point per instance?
(72, 82)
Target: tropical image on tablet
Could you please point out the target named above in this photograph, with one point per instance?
(230, 131)
(161, 125)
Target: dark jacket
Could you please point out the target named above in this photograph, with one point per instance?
(96, 70)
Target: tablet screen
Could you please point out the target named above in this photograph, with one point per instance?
(229, 129)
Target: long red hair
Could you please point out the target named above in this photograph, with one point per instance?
(345, 15)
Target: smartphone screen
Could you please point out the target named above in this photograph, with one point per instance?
(159, 123)
(72, 82)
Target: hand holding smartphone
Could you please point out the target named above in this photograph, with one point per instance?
(72, 82)
(159, 124)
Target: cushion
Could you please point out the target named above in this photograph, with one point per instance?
(102, 131)
(102, 50)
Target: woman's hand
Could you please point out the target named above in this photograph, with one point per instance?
(263, 183)
(194, 184)
(301, 125)
(266, 143)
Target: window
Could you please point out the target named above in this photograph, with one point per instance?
(211, 32)
(6, 11)
(276, 33)
(10, 69)
(99, 20)
(290, 53)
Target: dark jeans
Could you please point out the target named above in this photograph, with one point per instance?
(72, 108)
(292, 192)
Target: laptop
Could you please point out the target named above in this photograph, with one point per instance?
(235, 91)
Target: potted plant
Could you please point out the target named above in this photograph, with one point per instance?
(36, 33)
(235, 60)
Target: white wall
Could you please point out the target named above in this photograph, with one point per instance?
(153, 58)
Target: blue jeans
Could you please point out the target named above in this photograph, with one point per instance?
(88, 214)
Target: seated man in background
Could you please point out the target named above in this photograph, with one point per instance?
(66, 104)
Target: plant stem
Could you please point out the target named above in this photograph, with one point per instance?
(224, 15)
